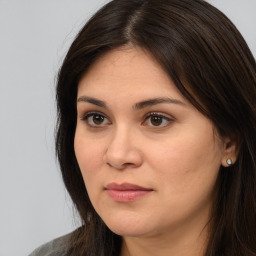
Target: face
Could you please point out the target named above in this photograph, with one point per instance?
(148, 158)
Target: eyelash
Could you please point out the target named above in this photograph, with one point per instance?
(93, 114)
(162, 117)
(158, 115)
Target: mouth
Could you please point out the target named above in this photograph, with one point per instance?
(126, 192)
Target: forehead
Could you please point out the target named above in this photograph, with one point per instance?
(127, 71)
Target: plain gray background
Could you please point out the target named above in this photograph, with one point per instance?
(34, 37)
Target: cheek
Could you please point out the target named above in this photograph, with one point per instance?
(89, 154)
(187, 171)
(89, 157)
(187, 161)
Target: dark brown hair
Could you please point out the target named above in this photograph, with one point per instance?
(212, 66)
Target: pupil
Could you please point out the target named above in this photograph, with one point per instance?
(156, 120)
(97, 119)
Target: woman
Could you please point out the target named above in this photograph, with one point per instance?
(156, 133)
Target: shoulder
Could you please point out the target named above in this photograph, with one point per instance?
(56, 247)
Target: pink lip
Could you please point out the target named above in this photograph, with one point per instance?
(126, 192)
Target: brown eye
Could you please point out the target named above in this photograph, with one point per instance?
(95, 119)
(98, 119)
(156, 120)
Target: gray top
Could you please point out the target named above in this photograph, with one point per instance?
(56, 247)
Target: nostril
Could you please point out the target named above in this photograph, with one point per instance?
(119, 165)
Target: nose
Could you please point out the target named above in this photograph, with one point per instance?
(122, 151)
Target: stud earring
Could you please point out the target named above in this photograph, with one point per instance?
(229, 161)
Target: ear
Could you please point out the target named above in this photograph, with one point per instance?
(230, 152)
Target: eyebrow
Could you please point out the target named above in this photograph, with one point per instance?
(137, 106)
(152, 102)
(93, 101)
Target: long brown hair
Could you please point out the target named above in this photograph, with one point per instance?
(212, 66)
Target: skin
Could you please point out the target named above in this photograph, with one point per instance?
(176, 153)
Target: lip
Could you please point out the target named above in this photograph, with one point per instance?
(126, 192)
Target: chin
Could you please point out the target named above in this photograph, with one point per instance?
(128, 231)
(130, 228)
